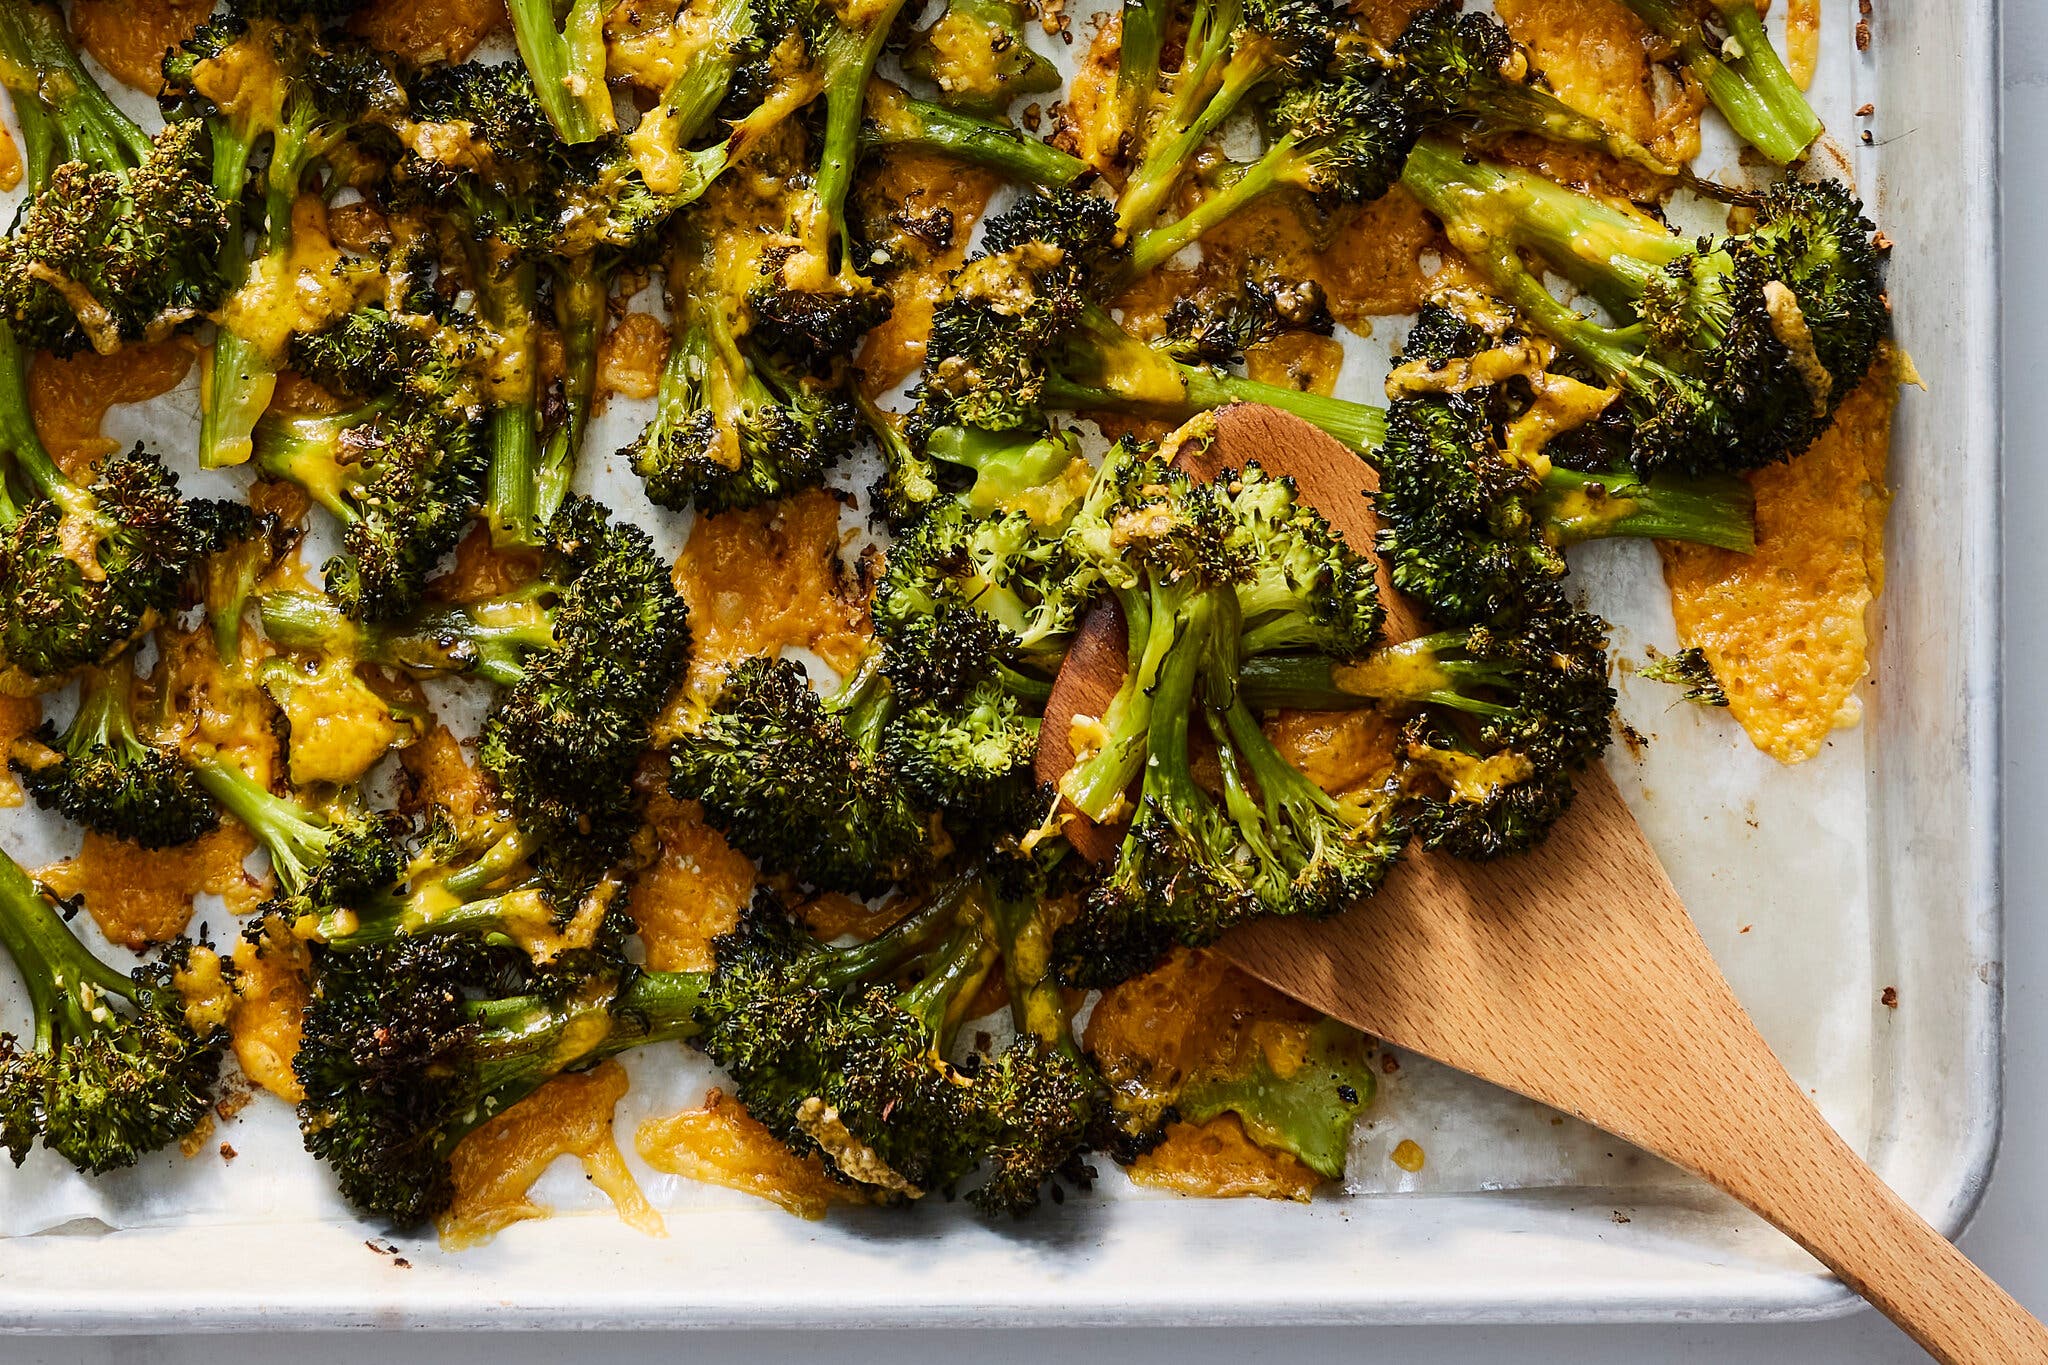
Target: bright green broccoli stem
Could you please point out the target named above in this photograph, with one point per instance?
(922, 126)
(1167, 625)
(1037, 1008)
(1006, 464)
(1420, 671)
(849, 63)
(951, 975)
(1574, 507)
(1743, 76)
(296, 840)
(1356, 425)
(1611, 254)
(306, 449)
(512, 489)
(1202, 99)
(22, 449)
(242, 370)
(1142, 42)
(581, 292)
(1281, 165)
(567, 64)
(864, 704)
(491, 639)
(73, 119)
(63, 978)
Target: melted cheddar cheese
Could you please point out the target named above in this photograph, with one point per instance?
(917, 187)
(1218, 1160)
(69, 398)
(495, 1166)
(692, 892)
(140, 896)
(630, 358)
(129, 37)
(441, 31)
(1785, 629)
(722, 1144)
(765, 580)
(19, 717)
(271, 988)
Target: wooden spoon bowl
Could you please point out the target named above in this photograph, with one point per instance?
(1573, 975)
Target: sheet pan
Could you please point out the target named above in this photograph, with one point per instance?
(1874, 866)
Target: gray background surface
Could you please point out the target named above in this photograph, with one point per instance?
(2006, 1237)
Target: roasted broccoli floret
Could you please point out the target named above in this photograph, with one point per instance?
(86, 569)
(734, 426)
(313, 90)
(402, 468)
(1232, 53)
(1688, 669)
(1179, 557)
(975, 53)
(799, 781)
(412, 1042)
(1338, 137)
(1724, 45)
(1466, 67)
(1510, 714)
(122, 237)
(116, 1066)
(321, 857)
(102, 773)
(1474, 519)
(1729, 352)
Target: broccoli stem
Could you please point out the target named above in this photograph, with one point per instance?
(902, 943)
(1411, 671)
(1486, 207)
(490, 639)
(1142, 41)
(1274, 170)
(507, 290)
(1004, 466)
(21, 446)
(952, 975)
(1575, 507)
(1168, 634)
(105, 718)
(79, 122)
(922, 126)
(567, 64)
(294, 837)
(849, 62)
(1200, 104)
(581, 294)
(1744, 77)
(1037, 1007)
(1356, 425)
(63, 978)
(307, 450)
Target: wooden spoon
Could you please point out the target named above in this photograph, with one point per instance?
(1573, 975)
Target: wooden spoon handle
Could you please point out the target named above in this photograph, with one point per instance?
(1812, 1187)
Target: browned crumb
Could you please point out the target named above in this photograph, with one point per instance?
(1890, 998)
(227, 1152)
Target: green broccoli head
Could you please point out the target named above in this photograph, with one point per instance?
(799, 782)
(971, 758)
(106, 257)
(115, 1067)
(103, 774)
(90, 569)
(1306, 589)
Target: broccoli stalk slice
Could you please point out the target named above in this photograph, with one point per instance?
(1743, 74)
(1166, 625)
(581, 293)
(1575, 507)
(1202, 389)
(1416, 671)
(899, 121)
(65, 114)
(306, 849)
(491, 639)
(99, 1085)
(1142, 33)
(848, 62)
(1006, 465)
(512, 487)
(567, 64)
